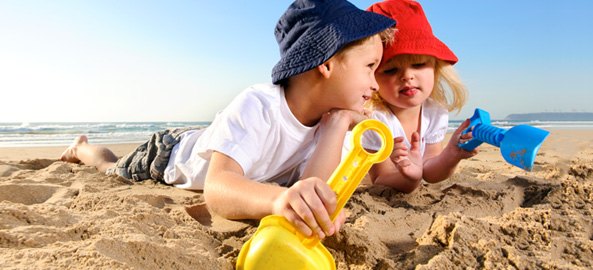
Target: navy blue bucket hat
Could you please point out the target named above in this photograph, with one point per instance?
(312, 31)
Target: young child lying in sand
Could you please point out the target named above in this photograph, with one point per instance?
(289, 132)
(415, 79)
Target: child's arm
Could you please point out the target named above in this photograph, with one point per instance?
(231, 195)
(403, 171)
(307, 204)
(328, 153)
(327, 156)
(440, 163)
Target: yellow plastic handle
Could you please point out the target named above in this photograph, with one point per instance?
(355, 165)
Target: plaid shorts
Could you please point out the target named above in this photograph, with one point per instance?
(150, 159)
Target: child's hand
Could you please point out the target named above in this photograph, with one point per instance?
(409, 163)
(453, 150)
(308, 205)
(352, 117)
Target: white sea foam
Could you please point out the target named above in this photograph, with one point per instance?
(62, 134)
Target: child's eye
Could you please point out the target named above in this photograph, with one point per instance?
(391, 70)
(419, 65)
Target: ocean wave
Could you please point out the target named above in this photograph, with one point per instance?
(48, 134)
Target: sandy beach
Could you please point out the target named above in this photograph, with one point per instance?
(488, 215)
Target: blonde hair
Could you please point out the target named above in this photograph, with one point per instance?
(449, 92)
(386, 36)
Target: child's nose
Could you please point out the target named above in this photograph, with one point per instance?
(374, 85)
(407, 75)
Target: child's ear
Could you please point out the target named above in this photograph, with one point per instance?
(325, 69)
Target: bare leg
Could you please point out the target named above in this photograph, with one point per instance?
(92, 155)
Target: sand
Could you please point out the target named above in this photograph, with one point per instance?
(488, 215)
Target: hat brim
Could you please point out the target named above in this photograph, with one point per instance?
(319, 44)
(418, 42)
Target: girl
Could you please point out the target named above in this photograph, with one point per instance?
(418, 87)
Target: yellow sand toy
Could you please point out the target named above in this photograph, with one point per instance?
(277, 245)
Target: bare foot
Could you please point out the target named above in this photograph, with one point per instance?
(69, 154)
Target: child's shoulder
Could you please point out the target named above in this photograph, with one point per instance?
(262, 89)
(260, 92)
(256, 99)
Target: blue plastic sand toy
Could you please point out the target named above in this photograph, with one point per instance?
(518, 145)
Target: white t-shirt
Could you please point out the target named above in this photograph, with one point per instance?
(433, 126)
(257, 130)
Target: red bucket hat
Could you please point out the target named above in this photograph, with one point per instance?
(414, 34)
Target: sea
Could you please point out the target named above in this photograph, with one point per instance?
(63, 133)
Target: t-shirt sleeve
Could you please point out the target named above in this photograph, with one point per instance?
(239, 131)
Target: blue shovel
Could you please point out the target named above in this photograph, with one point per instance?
(518, 145)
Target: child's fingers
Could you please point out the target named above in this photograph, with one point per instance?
(295, 208)
(302, 208)
(457, 137)
(397, 154)
(330, 202)
(467, 136)
(400, 150)
(315, 201)
(298, 222)
(318, 219)
(398, 144)
(415, 144)
(400, 147)
(340, 220)
(457, 133)
(464, 124)
(357, 117)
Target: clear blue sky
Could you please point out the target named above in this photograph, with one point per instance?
(114, 60)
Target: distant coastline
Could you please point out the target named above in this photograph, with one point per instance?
(551, 116)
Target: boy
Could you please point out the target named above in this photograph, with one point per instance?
(289, 132)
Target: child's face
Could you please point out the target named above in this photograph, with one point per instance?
(354, 82)
(406, 81)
